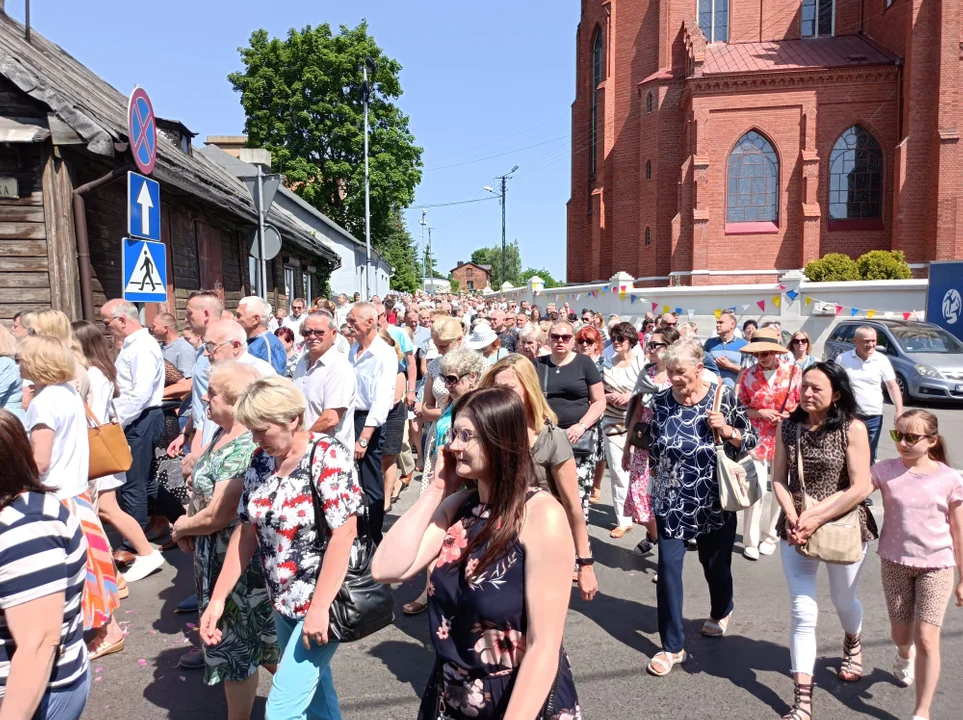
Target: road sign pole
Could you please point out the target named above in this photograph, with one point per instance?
(367, 198)
(261, 263)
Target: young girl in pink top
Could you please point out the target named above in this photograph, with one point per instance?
(921, 542)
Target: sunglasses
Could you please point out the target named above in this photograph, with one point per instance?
(559, 338)
(309, 333)
(586, 342)
(910, 438)
(453, 379)
(656, 346)
(801, 341)
(619, 338)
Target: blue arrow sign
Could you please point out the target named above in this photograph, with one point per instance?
(145, 270)
(143, 207)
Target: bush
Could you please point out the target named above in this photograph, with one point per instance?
(834, 267)
(883, 265)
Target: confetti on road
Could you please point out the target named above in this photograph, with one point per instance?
(142, 662)
(98, 679)
(182, 678)
(100, 669)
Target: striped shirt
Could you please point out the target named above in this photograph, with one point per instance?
(43, 551)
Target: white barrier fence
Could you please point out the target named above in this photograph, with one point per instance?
(794, 301)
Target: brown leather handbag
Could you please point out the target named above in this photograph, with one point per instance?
(109, 451)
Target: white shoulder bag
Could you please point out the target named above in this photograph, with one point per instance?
(738, 484)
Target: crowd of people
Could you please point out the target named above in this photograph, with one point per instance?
(271, 445)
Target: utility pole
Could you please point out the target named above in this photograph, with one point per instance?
(424, 223)
(365, 93)
(504, 178)
(428, 263)
(262, 262)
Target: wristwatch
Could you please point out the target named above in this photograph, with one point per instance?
(585, 562)
(363, 443)
(582, 425)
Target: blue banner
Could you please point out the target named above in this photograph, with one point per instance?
(944, 296)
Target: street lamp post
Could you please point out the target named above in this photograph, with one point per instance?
(504, 178)
(365, 93)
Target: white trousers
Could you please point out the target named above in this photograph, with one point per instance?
(614, 444)
(761, 517)
(801, 577)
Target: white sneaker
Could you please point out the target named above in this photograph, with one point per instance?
(751, 553)
(144, 565)
(905, 668)
(767, 547)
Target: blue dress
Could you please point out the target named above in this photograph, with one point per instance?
(11, 387)
(478, 624)
(682, 461)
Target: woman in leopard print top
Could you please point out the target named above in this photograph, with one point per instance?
(835, 457)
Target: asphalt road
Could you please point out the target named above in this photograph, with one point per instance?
(744, 675)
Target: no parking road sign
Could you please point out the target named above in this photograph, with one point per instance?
(143, 207)
(145, 270)
(142, 130)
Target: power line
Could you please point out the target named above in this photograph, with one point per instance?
(449, 204)
(495, 155)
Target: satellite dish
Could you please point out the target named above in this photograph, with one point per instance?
(272, 243)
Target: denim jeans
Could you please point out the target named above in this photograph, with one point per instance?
(874, 426)
(302, 687)
(142, 433)
(715, 554)
(65, 703)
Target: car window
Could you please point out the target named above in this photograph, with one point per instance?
(844, 333)
(927, 339)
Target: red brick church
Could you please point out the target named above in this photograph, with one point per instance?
(725, 141)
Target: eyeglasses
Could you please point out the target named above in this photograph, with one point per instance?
(462, 436)
(670, 324)
(619, 339)
(586, 342)
(910, 438)
(800, 341)
(212, 348)
(560, 338)
(306, 333)
(656, 346)
(766, 354)
(453, 379)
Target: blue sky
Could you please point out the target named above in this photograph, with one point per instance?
(487, 86)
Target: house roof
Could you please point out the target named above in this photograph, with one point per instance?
(97, 112)
(486, 268)
(241, 169)
(793, 55)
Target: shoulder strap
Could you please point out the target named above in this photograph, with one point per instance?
(320, 523)
(799, 460)
(545, 381)
(717, 405)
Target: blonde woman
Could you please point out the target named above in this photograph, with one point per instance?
(446, 334)
(53, 323)
(11, 384)
(552, 453)
(57, 426)
(531, 340)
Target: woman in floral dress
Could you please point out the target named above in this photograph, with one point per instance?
(652, 380)
(277, 518)
(499, 592)
(248, 636)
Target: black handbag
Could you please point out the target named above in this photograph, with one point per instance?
(585, 445)
(641, 435)
(363, 606)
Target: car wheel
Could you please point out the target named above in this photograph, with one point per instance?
(903, 389)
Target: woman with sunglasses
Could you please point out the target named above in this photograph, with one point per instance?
(769, 390)
(619, 378)
(572, 386)
(653, 379)
(801, 349)
(503, 552)
(921, 541)
(447, 333)
(588, 341)
(823, 436)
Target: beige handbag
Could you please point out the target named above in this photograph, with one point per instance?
(109, 451)
(738, 483)
(839, 541)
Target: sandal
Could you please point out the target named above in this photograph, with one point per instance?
(620, 532)
(716, 628)
(851, 669)
(595, 496)
(415, 607)
(105, 648)
(663, 662)
(804, 699)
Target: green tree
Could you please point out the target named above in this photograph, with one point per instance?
(399, 250)
(834, 267)
(455, 285)
(302, 101)
(884, 265)
(430, 262)
(493, 256)
(550, 282)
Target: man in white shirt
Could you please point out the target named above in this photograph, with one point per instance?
(342, 310)
(868, 370)
(226, 340)
(293, 321)
(327, 380)
(376, 367)
(140, 382)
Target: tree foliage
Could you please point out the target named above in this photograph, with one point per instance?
(302, 101)
(399, 250)
(550, 282)
(431, 263)
(884, 265)
(493, 256)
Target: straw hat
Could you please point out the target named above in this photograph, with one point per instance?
(481, 337)
(764, 340)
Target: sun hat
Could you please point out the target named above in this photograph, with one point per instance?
(481, 337)
(764, 340)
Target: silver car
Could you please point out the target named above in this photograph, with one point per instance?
(928, 360)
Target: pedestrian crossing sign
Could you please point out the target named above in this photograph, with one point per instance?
(145, 270)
